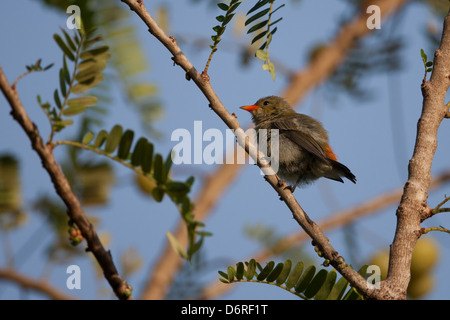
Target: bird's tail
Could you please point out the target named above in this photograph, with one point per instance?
(342, 171)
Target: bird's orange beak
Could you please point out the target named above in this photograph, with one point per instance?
(250, 108)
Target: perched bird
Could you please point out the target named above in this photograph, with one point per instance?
(304, 152)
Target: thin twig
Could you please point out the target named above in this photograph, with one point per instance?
(96, 150)
(447, 113)
(39, 285)
(21, 76)
(441, 229)
(438, 207)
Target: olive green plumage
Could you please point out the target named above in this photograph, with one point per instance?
(304, 152)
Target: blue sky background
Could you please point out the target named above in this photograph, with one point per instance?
(366, 135)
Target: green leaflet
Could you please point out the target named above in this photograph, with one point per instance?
(125, 144)
(258, 5)
(60, 42)
(147, 158)
(141, 90)
(137, 156)
(90, 70)
(223, 6)
(95, 53)
(158, 169)
(258, 26)
(74, 110)
(239, 270)
(305, 279)
(256, 16)
(61, 124)
(78, 105)
(176, 245)
(316, 283)
(284, 274)
(87, 101)
(251, 268)
(275, 272)
(337, 291)
(101, 138)
(57, 99)
(82, 86)
(256, 38)
(261, 55)
(65, 72)
(231, 273)
(87, 138)
(427, 64)
(196, 245)
(158, 195)
(62, 81)
(177, 188)
(326, 286)
(69, 40)
(167, 166)
(224, 278)
(114, 137)
(295, 275)
(265, 272)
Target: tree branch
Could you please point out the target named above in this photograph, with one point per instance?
(63, 189)
(338, 219)
(30, 283)
(202, 82)
(216, 183)
(413, 206)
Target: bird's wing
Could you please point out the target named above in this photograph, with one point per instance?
(301, 138)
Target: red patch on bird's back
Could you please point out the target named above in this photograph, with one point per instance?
(330, 153)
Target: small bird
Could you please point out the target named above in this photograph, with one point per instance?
(304, 152)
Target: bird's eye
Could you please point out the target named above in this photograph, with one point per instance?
(266, 103)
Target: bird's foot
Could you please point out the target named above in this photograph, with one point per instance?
(280, 182)
(292, 188)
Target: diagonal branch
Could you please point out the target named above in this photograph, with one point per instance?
(327, 60)
(202, 82)
(62, 188)
(30, 283)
